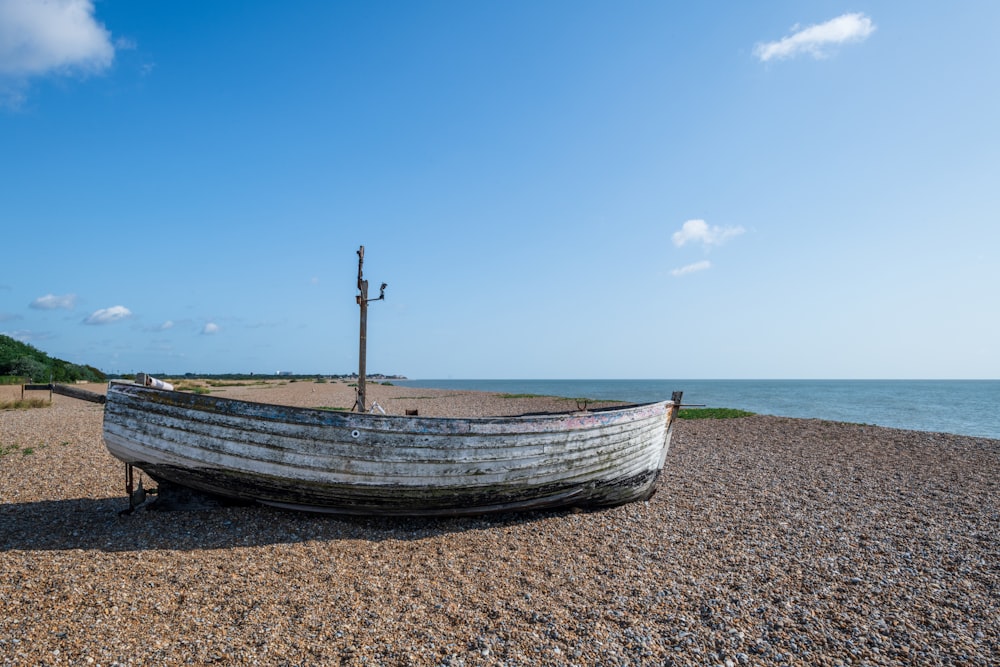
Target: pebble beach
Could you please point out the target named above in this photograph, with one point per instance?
(770, 541)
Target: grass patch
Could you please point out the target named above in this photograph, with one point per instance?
(24, 404)
(523, 396)
(193, 388)
(230, 383)
(713, 413)
(27, 451)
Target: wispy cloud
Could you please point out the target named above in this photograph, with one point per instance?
(53, 302)
(816, 40)
(108, 315)
(692, 268)
(39, 38)
(165, 326)
(9, 317)
(210, 328)
(699, 231)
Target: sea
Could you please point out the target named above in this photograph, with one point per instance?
(964, 407)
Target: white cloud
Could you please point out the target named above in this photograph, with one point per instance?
(52, 302)
(699, 231)
(817, 39)
(108, 315)
(42, 36)
(692, 268)
(210, 328)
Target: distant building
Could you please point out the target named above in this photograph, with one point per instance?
(284, 373)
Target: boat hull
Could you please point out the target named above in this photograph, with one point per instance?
(351, 463)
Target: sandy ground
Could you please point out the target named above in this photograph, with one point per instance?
(770, 541)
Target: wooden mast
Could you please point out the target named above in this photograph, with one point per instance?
(360, 404)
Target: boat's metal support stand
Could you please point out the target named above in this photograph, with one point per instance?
(170, 496)
(136, 494)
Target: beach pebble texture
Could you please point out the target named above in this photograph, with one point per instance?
(770, 541)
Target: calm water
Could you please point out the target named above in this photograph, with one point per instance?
(967, 407)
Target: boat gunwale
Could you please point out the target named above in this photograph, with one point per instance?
(195, 401)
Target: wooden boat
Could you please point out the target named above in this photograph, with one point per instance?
(370, 464)
(361, 463)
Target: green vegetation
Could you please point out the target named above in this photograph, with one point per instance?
(193, 388)
(27, 451)
(24, 404)
(229, 383)
(523, 396)
(713, 413)
(25, 361)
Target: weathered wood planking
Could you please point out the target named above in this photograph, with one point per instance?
(65, 390)
(388, 465)
(76, 392)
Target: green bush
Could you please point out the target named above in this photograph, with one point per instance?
(712, 413)
(21, 359)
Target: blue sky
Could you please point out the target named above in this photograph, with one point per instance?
(550, 189)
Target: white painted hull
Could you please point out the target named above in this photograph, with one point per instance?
(388, 465)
